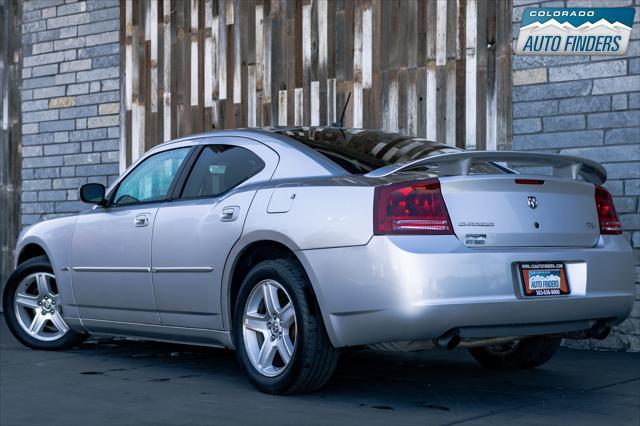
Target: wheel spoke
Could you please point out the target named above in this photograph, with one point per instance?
(267, 352)
(43, 285)
(287, 315)
(256, 322)
(57, 320)
(27, 301)
(38, 323)
(285, 349)
(270, 295)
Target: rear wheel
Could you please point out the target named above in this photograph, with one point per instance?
(32, 307)
(279, 335)
(525, 353)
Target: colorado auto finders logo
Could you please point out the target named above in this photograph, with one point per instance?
(575, 31)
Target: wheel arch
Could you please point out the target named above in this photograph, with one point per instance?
(253, 249)
(30, 251)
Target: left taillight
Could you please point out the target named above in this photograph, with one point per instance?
(609, 222)
(415, 207)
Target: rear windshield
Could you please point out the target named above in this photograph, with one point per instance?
(362, 151)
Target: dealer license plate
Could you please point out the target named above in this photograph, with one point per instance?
(544, 279)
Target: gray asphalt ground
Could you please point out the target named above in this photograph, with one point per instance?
(125, 382)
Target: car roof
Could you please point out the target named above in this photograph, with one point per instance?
(387, 147)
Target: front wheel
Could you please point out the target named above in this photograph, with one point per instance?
(526, 353)
(32, 307)
(278, 332)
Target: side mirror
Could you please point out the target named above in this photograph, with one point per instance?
(93, 193)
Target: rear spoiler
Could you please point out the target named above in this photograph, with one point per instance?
(460, 163)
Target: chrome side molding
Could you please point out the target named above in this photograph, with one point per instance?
(141, 269)
(182, 269)
(110, 269)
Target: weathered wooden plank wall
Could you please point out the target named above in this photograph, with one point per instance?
(10, 85)
(439, 69)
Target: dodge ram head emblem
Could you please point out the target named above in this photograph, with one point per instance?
(533, 202)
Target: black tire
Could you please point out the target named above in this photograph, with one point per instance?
(527, 353)
(314, 358)
(37, 264)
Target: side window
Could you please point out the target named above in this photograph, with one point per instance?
(220, 168)
(151, 179)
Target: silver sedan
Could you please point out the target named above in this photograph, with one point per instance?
(289, 244)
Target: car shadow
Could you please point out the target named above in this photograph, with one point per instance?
(434, 380)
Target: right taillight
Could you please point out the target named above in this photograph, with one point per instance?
(411, 208)
(609, 222)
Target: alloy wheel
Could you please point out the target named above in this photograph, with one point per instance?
(37, 307)
(269, 328)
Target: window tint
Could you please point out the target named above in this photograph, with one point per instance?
(151, 179)
(361, 151)
(220, 168)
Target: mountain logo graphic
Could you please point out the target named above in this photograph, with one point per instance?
(575, 31)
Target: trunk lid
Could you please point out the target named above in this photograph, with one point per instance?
(495, 211)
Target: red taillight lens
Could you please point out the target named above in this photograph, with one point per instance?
(609, 222)
(411, 208)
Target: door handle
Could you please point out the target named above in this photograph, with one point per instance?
(142, 220)
(229, 214)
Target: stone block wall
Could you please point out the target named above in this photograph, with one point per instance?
(70, 102)
(588, 106)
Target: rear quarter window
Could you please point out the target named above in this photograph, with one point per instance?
(220, 168)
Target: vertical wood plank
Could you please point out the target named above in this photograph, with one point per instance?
(194, 53)
(10, 133)
(126, 136)
(266, 57)
(315, 103)
(138, 124)
(481, 75)
(306, 64)
(356, 98)
(166, 70)
(323, 52)
(153, 39)
(390, 101)
(222, 50)
(431, 90)
(441, 71)
(503, 114)
(411, 100)
(282, 107)
(251, 96)
(367, 46)
(491, 98)
(460, 75)
(451, 79)
(208, 54)
(298, 107)
(471, 73)
(374, 104)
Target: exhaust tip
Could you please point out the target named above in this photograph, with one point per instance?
(600, 332)
(448, 341)
(453, 342)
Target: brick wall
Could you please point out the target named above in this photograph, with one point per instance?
(70, 102)
(588, 107)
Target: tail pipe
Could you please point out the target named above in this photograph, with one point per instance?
(448, 341)
(599, 331)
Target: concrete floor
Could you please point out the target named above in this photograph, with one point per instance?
(124, 382)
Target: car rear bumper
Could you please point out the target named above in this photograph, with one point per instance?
(418, 288)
